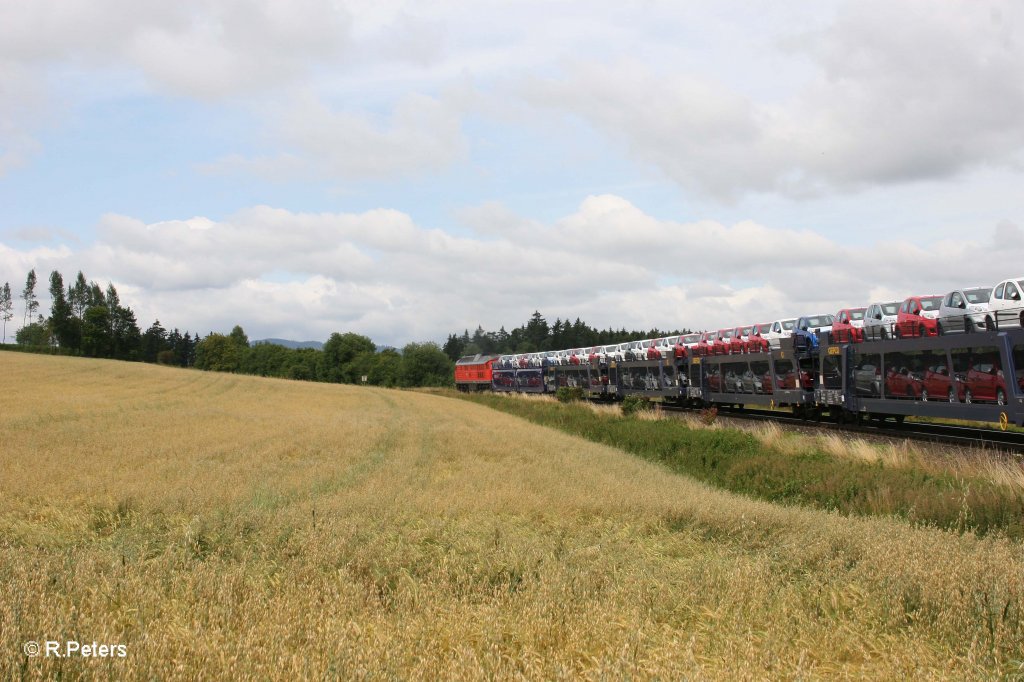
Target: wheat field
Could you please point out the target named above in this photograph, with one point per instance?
(221, 526)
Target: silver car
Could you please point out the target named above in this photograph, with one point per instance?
(879, 320)
(964, 310)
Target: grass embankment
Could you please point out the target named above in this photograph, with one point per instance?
(226, 527)
(769, 468)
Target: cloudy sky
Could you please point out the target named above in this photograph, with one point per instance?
(407, 169)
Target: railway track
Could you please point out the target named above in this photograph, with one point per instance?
(946, 434)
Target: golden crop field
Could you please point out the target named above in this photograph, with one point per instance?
(221, 526)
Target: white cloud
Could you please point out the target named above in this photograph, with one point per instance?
(304, 275)
(901, 92)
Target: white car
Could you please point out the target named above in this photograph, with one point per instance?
(617, 353)
(667, 346)
(963, 310)
(1006, 307)
(780, 329)
(879, 320)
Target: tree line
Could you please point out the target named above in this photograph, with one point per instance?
(87, 320)
(536, 335)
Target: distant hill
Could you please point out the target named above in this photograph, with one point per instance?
(292, 344)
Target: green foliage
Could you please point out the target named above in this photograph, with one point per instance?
(632, 404)
(35, 334)
(96, 336)
(425, 364)
(569, 394)
(339, 353)
(238, 336)
(737, 461)
(218, 353)
(536, 334)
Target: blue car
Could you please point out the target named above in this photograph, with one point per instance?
(805, 335)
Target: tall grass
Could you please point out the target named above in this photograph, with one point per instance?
(227, 527)
(829, 472)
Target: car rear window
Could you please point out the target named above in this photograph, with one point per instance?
(890, 308)
(931, 302)
(978, 295)
(857, 313)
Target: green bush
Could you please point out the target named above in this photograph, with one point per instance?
(569, 394)
(632, 404)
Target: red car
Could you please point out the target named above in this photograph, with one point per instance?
(706, 344)
(919, 316)
(937, 384)
(723, 342)
(756, 343)
(901, 382)
(848, 327)
(738, 343)
(985, 382)
(653, 353)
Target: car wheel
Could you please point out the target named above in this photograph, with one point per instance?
(1022, 320)
(940, 329)
(921, 331)
(924, 395)
(885, 334)
(897, 333)
(989, 324)
(1000, 397)
(968, 325)
(968, 396)
(952, 396)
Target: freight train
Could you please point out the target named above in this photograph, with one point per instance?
(828, 371)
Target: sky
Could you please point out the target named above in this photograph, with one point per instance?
(405, 170)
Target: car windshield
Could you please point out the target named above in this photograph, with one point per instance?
(691, 338)
(745, 331)
(978, 295)
(819, 321)
(727, 334)
(672, 341)
(857, 313)
(931, 302)
(788, 324)
(891, 308)
(713, 336)
(764, 328)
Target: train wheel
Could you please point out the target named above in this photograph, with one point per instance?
(1000, 397)
(899, 418)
